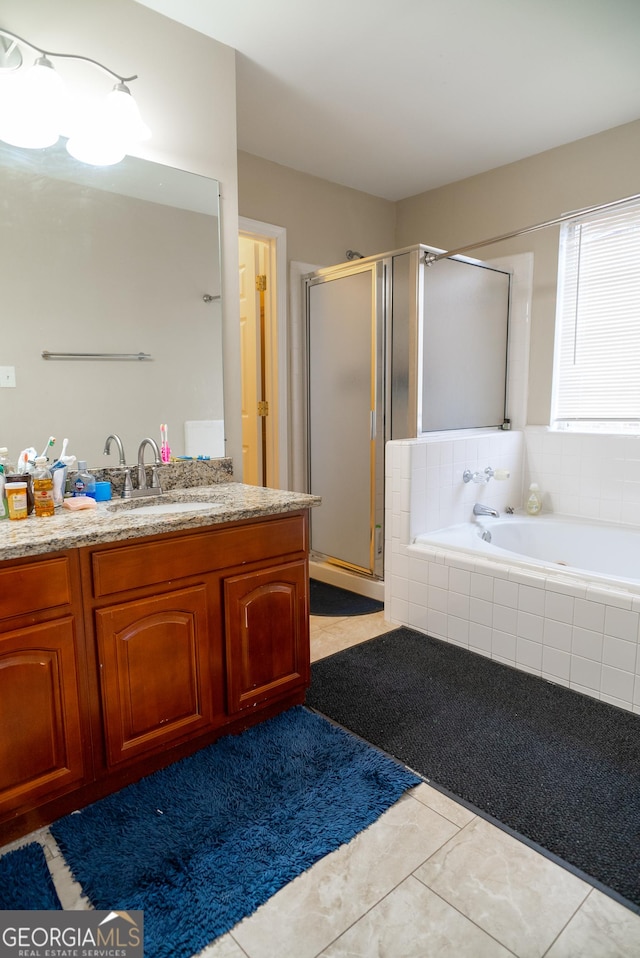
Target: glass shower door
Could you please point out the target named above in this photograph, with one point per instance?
(345, 414)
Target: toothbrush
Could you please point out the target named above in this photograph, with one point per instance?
(50, 443)
(60, 460)
(165, 450)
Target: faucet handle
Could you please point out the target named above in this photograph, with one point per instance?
(127, 489)
(478, 477)
(155, 478)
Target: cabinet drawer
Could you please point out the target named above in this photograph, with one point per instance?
(151, 563)
(34, 587)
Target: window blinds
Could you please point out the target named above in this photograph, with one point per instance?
(597, 363)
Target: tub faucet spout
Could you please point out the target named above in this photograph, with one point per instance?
(480, 510)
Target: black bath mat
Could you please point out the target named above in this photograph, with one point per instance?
(560, 769)
(330, 600)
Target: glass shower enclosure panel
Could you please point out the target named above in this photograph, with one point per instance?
(463, 332)
(345, 414)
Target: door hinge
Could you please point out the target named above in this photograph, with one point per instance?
(263, 408)
(261, 283)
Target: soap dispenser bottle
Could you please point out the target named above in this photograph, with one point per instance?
(84, 484)
(534, 502)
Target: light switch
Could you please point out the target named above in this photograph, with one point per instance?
(7, 376)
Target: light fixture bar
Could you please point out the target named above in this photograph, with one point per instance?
(65, 56)
(37, 107)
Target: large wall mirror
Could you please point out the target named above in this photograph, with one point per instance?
(109, 262)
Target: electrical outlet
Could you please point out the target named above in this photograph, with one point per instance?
(7, 376)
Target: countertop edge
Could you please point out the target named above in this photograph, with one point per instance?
(75, 530)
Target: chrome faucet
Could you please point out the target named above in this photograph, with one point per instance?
(127, 488)
(155, 488)
(480, 510)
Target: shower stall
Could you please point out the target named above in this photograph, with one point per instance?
(396, 348)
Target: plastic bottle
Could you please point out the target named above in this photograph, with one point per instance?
(534, 502)
(5, 467)
(4, 505)
(84, 484)
(17, 499)
(43, 489)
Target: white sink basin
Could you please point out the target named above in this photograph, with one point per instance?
(166, 508)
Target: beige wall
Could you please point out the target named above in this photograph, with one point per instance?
(191, 111)
(594, 170)
(323, 220)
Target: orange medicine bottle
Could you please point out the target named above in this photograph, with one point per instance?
(17, 499)
(43, 489)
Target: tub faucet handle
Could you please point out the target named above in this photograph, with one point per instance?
(484, 477)
(479, 477)
(497, 473)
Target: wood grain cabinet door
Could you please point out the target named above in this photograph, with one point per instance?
(155, 672)
(40, 720)
(267, 634)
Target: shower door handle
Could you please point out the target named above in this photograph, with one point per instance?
(373, 424)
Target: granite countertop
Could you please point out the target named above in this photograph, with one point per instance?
(120, 519)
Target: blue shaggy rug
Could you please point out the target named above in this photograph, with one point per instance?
(201, 844)
(25, 881)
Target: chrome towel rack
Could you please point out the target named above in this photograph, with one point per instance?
(140, 357)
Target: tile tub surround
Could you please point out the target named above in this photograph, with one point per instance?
(565, 629)
(586, 474)
(111, 521)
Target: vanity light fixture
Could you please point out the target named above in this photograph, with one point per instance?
(34, 108)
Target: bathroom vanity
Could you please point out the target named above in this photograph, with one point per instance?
(130, 637)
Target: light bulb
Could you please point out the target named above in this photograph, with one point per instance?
(30, 106)
(111, 130)
(95, 150)
(121, 115)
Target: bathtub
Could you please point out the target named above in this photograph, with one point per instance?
(595, 550)
(555, 596)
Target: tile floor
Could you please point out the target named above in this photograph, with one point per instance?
(429, 879)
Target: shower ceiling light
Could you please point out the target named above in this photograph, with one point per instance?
(33, 107)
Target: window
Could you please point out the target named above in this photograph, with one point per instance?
(597, 350)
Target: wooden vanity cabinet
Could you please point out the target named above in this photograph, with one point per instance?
(118, 658)
(44, 748)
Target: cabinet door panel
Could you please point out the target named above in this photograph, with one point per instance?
(155, 674)
(41, 740)
(267, 626)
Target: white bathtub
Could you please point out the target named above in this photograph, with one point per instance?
(595, 550)
(555, 596)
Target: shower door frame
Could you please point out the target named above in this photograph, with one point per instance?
(370, 534)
